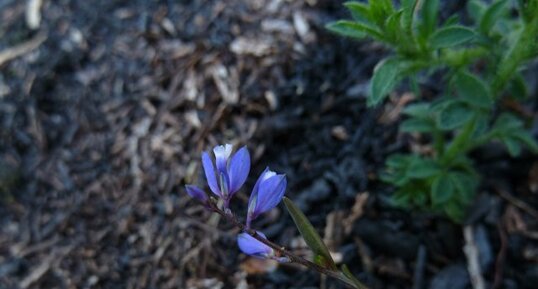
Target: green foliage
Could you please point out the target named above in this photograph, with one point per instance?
(481, 64)
(451, 36)
(311, 237)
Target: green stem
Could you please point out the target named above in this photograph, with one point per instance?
(439, 142)
(283, 252)
(459, 144)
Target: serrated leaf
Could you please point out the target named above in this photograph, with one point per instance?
(454, 115)
(387, 74)
(353, 29)
(451, 36)
(492, 13)
(423, 168)
(473, 90)
(417, 125)
(359, 11)
(442, 189)
(311, 237)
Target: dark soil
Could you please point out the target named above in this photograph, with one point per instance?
(103, 123)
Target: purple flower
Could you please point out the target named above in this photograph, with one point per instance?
(229, 173)
(267, 193)
(196, 193)
(250, 246)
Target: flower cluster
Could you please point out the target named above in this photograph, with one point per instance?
(225, 176)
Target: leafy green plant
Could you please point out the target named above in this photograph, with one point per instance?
(480, 64)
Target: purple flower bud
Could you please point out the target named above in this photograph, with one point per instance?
(229, 172)
(250, 246)
(267, 193)
(196, 193)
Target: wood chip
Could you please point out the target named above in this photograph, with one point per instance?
(340, 133)
(301, 26)
(33, 13)
(227, 82)
(356, 212)
(252, 46)
(473, 264)
(21, 49)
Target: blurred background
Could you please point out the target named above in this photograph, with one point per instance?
(106, 106)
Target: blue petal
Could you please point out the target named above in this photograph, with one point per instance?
(196, 193)
(222, 154)
(254, 196)
(209, 170)
(250, 246)
(239, 169)
(270, 193)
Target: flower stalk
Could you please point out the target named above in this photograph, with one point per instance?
(281, 251)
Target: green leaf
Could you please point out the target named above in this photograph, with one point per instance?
(476, 9)
(419, 110)
(473, 90)
(349, 29)
(512, 144)
(492, 14)
(417, 125)
(401, 199)
(321, 254)
(465, 185)
(429, 12)
(526, 138)
(387, 74)
(380, 10)
(454, 211)
(507, 123)
(359, 11)
(422, 168)
(481, 124)
(408, 10)
(454, 115)
(517, 87)
(350, 277)
(451, 36)
(393, 28)
(442, 189)
(398, 161)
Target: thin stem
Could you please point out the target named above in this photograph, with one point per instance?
(292, 257)
(458, 144)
